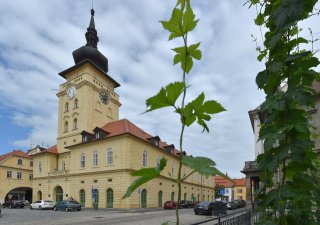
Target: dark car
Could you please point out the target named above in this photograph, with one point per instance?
(170, 205)
(240, 203)
(231, 205)
(186, 204)
(67, 205)
(14, 204)
(211, 208)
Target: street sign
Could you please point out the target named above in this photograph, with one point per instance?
(222, 191)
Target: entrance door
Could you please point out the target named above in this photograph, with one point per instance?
(160, 199)
(144, 198)
(109, 198)
(59, 194)
(39, 195)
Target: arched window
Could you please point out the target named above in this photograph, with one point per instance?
(145, 158)
(82, 160)
(172, 196)
(95, 158)
(75, 123)
(66, 107)
(109, 156)
(82, 197)
(66, 126)
(192, 198)
(19, 161)
(76, 103)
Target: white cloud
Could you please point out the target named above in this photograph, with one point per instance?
(38, 39)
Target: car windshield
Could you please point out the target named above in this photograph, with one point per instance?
(204, 203)
(47, 201)
(73, 202)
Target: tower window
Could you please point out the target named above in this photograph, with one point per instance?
(66, 107)
(66, 126)
(76, 103)
(39, 167)
(63, 165)
(75, 123)
(82, 160)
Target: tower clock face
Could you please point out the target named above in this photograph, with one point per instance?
(104, 97)
(71, 92)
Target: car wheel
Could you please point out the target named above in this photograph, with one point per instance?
(196, 213)
(67, 209)
(55, 208)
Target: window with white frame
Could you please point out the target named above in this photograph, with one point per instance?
(173, 169)
(95, 158)
(82, 160)
(75, 123)
(19, 175)
(158, 161)
(109, 156)
(63, 165)
(39, 167)
(9, 174)
(145, 158)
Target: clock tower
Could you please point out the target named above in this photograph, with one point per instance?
(87, 98)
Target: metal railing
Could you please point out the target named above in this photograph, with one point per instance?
(244, 217)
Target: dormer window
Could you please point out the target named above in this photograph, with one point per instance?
(86, 136)
(169, 148)
(155, 140)
(19, 161)
(100, 133)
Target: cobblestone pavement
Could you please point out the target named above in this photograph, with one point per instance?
(99, 217)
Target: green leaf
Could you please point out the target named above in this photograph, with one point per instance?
(174, 24)
(166, 97)
(189, 22)
(185, 56)
(259, 20)
(146, 174)
(202, 165)
(200, 111)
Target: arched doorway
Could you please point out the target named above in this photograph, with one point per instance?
(144, 198)
(59, 194)
(19, 193)
(82, 197)
(39, 195)
(96, 195)
(109, 198)
(172, 196)
(160, 199)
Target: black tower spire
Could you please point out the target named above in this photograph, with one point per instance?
(90, 50)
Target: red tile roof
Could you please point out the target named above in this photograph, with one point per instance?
(125, 126)
(222, 181)
(18, 153)
(53, 149)
(240, 182)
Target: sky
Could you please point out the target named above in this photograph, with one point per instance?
(38, 37)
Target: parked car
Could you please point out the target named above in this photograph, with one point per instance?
(211, 208)
(13, 204)
(42, 204)
(67, 205)
(170, 205)
(186, 204)
(231, 205)
(203, 208)
(240, 203)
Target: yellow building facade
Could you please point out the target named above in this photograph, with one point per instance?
(96, 151)
(16, 170)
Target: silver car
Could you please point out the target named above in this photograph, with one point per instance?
(42, 204)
